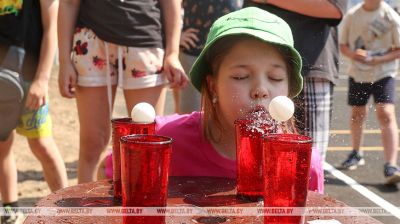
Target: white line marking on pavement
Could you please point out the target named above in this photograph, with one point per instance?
(363, 148)
(348, 148)
(363, 190)
(347, 131)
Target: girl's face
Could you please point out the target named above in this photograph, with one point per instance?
(249, 76)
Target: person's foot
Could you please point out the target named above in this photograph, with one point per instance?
(12, 216)
(392, 174)
(354, 159)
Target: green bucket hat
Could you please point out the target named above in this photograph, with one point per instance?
(257, 23)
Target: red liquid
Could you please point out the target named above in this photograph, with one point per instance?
(143, 219)
(144, 166)
(286, 169)
(122, 127)
(249, 153)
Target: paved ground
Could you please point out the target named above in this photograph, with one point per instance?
(369, 176)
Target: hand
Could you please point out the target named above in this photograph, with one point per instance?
(361, 55)
(67, 80)
(37, 94)
(172, 68)
(189, 38)
(374, 60)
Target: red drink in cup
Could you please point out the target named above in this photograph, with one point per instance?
(144, 171)
(249, 133)
(286, 173)
(122, 127)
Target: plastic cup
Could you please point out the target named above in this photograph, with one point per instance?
(122, 127)
(145, 163)
(249, 153)
(286, 167)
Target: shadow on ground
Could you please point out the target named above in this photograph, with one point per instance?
(382, 187)
(378, 186)
(72, 169)
(36, 175)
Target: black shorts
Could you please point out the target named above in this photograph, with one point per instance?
(383, 91)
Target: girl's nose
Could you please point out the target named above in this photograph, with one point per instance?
(259, 92)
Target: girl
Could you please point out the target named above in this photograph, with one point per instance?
(248, 59)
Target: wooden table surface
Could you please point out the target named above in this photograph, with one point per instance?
(182, 191)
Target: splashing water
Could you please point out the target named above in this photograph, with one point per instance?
(261, 122)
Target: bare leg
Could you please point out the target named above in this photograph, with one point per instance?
(176, 94)
(45, 149)
(101, 172)
(387, 120)
(8, 172)
(358, 114)
(153, 95)
(95, 126)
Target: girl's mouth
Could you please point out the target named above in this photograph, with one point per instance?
(259, 109)
(257, 112)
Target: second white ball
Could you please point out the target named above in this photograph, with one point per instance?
(281, 108)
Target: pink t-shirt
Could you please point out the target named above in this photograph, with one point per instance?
(193, 155)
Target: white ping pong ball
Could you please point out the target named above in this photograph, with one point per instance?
(143, 113)
(281, 108)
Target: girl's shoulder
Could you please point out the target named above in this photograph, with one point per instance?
(178, 121)
(184, 129)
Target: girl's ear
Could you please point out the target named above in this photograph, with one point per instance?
(211, 84)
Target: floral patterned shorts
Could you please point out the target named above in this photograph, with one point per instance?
(97, 62)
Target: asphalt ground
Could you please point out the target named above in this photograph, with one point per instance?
(370, 176)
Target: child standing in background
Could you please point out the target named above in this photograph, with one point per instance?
(248, 60)
(133, 43)
(370, 37)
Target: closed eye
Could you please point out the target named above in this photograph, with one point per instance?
(240, 77)
(276, 79)
(277, 76)
(278, 73)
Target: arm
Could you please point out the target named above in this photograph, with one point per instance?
(39, 89)
(171, 65)
(66, 25)
(358, 55)
(361, 55)
(345, 50)
(313, 8)
(380, 59)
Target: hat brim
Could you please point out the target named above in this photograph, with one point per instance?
(199, 68)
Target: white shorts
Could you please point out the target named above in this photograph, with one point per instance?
(141, 67)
